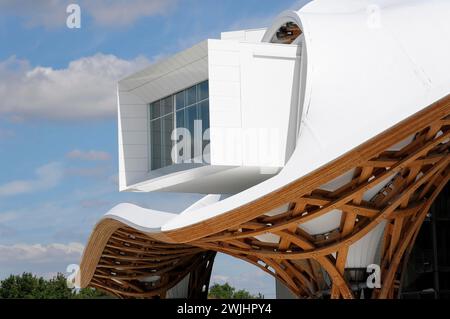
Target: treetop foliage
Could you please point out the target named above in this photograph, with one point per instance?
(28, 286)
(226, 291)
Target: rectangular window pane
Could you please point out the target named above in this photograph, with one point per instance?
(163, 120)
(191, 116)
(203, 91)
(180, 119)
(191, 95)
(155, 131)
(167, 106)
(204, 114)
(180, 100)
(180, 124)
(155, 110)
(167, 140)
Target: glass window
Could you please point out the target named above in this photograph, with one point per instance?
(180, 119)
(180, 124)
(167, 129)
(204, 115)
(180, 110)
(191, 95)
(180, 100)
(155, 132)
(155, 110)
(167, 106)
(203, 91)
(191, 116)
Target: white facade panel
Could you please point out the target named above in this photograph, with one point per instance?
(164, 67)
(134, 111)
(135, 151)
(127, 98)
(130, 178)
(135, 138)
(226, 142)
(225, 73)
(227, 89)
(252, 35)
(268, 97)
(134, 124)
(256, 118)
(175, 81)
(224, 58)
(136, 165)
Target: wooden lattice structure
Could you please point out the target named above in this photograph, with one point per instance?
(288, 33)
(117, 257)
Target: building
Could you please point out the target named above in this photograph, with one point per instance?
(320, 144)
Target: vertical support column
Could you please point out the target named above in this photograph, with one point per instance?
(201, 276)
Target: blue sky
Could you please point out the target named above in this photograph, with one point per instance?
(57, 117)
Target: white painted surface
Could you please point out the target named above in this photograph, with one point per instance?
(323, 224)
(253, 35)
(146, 220)
(365, 251)
(252, 94)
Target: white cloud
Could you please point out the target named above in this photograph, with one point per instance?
(41, 260)
(40, 253)
(52, 13)
(86, 89)
(47, 176)
(89, 155)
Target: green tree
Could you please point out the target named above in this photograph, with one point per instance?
(28, 286)
(90, 293)
(226, 291)
(56, 288)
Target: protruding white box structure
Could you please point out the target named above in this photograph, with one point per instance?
(253, 107)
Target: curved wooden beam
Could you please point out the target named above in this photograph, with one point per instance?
(132, 264)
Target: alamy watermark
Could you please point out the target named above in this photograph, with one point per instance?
(74, 18)
(73, 278)
(374, 16)
(257, 147)
(374, 279)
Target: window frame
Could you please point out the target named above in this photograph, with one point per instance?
(175, 110)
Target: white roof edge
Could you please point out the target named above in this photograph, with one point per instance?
(124, 84)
